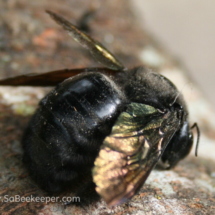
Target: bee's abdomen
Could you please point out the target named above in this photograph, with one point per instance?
(64, 135)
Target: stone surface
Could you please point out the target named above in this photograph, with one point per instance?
(31, 42)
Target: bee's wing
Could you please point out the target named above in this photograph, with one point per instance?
(49, 78)
(99, 52)
(130, 152)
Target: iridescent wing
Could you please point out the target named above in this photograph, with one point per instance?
(99, 52)
(130, 152)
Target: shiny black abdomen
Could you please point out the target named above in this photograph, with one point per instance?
(64, 136)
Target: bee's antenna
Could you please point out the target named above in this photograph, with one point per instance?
(195, 125)
(177, 95)
(171, 104)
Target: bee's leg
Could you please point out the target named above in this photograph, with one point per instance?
(87, 194)
(83, 23)
(84, 196)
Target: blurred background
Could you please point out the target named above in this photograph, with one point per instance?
(187, 29)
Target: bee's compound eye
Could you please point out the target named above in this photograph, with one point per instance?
(179, 146)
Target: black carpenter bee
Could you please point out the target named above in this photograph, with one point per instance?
(107, 125)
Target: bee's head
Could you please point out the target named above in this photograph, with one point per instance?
(181, 143)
